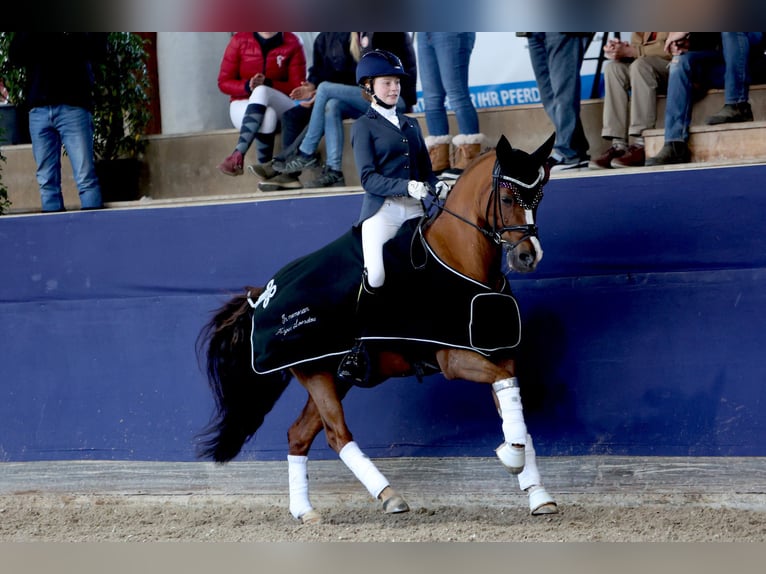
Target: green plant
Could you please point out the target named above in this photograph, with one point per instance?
(5, 203)
(13, 78)
(122, 98)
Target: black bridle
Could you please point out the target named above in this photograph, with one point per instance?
(527, 196)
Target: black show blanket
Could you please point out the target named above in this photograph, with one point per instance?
(308, 308)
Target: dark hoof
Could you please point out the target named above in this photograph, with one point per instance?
(395, 505)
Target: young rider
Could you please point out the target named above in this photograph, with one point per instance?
(395, 172)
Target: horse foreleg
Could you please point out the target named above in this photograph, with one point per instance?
(469, 365)
(325, 401)
(540, 502)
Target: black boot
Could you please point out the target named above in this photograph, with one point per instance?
(354, 368)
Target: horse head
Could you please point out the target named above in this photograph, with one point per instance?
(517, 188)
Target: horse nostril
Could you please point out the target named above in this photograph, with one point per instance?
(527, 258)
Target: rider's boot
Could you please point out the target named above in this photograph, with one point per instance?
(354, 368)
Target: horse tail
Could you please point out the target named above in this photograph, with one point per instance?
(243, 398)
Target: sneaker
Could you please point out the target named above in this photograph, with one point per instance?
(354, 368)
(280, 182)
(557, 164)
(604, 161)
(232, 165)
(262, 170)
(731, 113)
(671, 152)
(298, 162)
(634, 156)
(328, 178)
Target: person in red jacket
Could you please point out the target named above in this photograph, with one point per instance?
(258, 72)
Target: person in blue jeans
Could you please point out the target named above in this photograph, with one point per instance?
(702, 61)
(556, 59)
(443, 62)
(340, 98)
(59, 95)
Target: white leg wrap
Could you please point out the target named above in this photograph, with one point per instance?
(530, 476)
(363, 468)
(298, 485)
(509, 397)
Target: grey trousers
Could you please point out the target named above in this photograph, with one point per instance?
(630, 99)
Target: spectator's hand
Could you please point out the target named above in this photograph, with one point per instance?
(305, 91)
(309, 102)
(257, 80)
(677, 43)
(417, 190)
(442, 189)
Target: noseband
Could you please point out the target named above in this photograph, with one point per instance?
(527, 196)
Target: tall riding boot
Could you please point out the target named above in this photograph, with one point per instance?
(438, 150)
(355, 366)
(465, 147)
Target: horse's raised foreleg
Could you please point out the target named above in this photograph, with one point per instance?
(471, 366)
(324, 410)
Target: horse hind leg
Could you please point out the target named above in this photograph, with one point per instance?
(326, 399)
(540, 501)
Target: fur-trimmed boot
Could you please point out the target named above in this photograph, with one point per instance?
(465, 147)
(438, 150)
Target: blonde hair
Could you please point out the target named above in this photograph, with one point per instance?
(355, 48)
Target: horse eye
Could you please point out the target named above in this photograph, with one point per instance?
(507, 199)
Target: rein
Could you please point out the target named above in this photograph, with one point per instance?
(495, 233)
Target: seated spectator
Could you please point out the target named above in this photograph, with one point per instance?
(701, 61)
(339, 98)
(637, 72)
(258, 72)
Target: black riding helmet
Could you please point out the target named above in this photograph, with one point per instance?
(378, 63)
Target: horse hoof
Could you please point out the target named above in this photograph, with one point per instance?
(512, 457)
(395, 504)
(540, 502)
(311, 517)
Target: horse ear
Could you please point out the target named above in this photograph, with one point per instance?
(544, 151)
(503, 147)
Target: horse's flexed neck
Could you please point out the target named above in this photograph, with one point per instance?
(490, 214)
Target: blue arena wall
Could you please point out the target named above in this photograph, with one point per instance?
(643, 326)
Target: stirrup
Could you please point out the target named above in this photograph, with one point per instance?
(354, 368)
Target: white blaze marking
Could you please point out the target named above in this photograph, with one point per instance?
(529, 216)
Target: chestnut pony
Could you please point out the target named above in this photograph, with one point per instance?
(487, 220)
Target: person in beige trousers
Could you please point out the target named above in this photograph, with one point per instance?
(637, 72)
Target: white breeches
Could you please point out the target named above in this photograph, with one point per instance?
(380, 228)
(276, 104)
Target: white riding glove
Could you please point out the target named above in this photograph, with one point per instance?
(442, 189)
(417, 190)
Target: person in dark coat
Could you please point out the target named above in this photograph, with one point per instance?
(59, 70)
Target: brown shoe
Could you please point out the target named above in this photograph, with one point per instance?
(635, 156)
(604, 161)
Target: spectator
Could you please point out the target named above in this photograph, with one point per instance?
(395, 171)
(556, 60)
(702, 61)
(443, 60)
(334, 101)
(638, 71)
(258, 72)
(59, 95)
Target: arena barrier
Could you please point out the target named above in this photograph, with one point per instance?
(643, 326)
